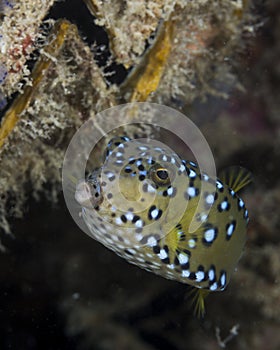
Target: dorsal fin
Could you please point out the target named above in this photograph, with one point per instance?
(236, 177)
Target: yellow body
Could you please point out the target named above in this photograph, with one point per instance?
(158, 212)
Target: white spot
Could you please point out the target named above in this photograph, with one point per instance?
(109, 240)
(143, 148)
(210, 199)
(183, 258)
(129, 216)
(173, 161)
(203, 217)
(224, 205)
(232, 193)
(119, 154)
(127, 241)
(164, 158)
(103, 230)
(219, 185)
(192, 243)
(209, 235)
(152, 241)
(139, 162)
(241, 203)
(193, 164)
(162, 254)
(138, 236)
(230, 229)
(179, 234)
(170, 274)
(223, 279)
(170, 191)
(132, 251)
(154, 213)
(199, 276)
(156, 267)
(186, 273)
(182, 168)
(171, 266)
(192, 174)
(205, 177)
(110, 175)
(139, 223)
(139, 259)
(119, 221)
(214, 286)
(211, 275)
(143, 172)
(191, 191)
(151, 189)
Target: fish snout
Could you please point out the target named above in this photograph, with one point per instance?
(87, 194)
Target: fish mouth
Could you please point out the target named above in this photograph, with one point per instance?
(88, 192)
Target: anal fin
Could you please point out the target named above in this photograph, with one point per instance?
(197, 296)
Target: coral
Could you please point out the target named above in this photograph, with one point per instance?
(32, 141)
(130, 24)
(57, 86)
(20, 36)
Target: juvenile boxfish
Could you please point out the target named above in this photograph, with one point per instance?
(160, 213)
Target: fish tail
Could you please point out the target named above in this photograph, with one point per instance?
(236, 177)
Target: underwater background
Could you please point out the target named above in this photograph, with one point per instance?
(219, 65)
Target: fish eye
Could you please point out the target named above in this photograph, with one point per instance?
(160, 176)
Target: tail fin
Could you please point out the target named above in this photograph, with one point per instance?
(236, 177)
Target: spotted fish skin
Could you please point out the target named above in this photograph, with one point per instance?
(160, 213)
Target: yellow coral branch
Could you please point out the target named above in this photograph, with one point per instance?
(46, 59)
(145, 78)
